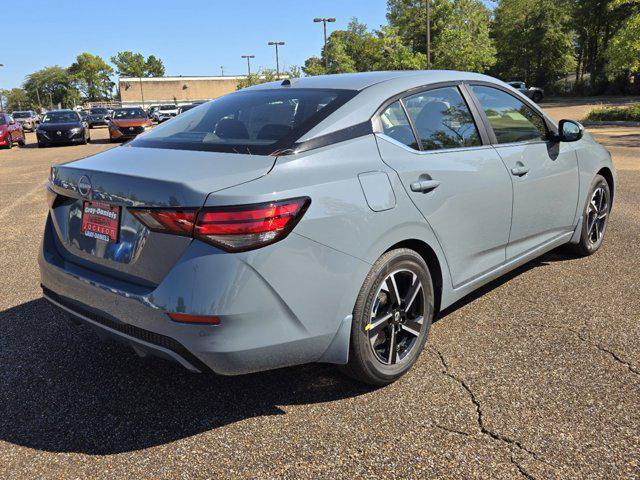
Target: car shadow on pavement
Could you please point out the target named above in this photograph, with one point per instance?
(62, 389)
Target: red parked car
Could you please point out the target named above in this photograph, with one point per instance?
(10, 132)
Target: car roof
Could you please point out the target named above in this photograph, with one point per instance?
(362, 80)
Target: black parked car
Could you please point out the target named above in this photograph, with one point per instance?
(98, 116)
(62, 127)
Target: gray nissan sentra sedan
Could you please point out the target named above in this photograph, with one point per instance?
(321, 219)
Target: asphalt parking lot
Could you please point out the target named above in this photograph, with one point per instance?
(535, 376)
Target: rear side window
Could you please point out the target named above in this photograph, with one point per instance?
(511, 120)
(251, 121)
(396, 125)
(442, 119)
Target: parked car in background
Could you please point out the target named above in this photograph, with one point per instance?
(10, 132)
(62, 127)
(534, 93)
(165, 112)
(127, 123)
(151, 110)
(27, 118)
(328, 222)
(186, 108)
(98, 116)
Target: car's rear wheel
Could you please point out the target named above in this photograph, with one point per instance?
(595, 218)
(9, 141)
(23, 140)
(391, 318)
(537, 96)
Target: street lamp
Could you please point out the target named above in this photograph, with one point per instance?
(324, 23)
(248, 57)
(277, 59)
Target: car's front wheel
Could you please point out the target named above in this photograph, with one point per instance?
(391, 318)
(595, 218)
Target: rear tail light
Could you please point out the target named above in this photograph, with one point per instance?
(200, 319)
(233, 229)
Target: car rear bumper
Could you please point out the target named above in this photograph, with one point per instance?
(273, 312)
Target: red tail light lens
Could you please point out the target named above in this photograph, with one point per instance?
(246, 227)
(178, 222)
(200, 319)
(234, 229)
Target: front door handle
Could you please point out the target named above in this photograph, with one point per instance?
(520, 171)
(424, 185)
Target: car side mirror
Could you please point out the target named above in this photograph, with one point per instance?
(570, 131)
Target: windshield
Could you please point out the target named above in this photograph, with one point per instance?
(249, 121)
(2, 120)
(99, 111)
(129, 113)
(21, 114)
(61, 117)
(168, 107)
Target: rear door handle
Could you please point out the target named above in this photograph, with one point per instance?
(520, 171)
(424, 185)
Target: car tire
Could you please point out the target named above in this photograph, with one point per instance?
(9, 142)
(23, 140)
(537, 97)
(42, 145)
(385, 344)
(595, 218)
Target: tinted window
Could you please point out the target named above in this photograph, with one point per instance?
(249, 121)
(21, 114)
(168, 107)
(511, 120)
(99, 111)
(442, 119)
(2, 120)
(396, 125)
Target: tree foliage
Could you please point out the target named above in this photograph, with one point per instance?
(534, 40)
(130, 64)
(92, 73)
(16, 99)
(52, 86)
(265, 75)
(460, 37)
(357, 49)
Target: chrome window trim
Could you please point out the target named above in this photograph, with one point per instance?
(430, 152)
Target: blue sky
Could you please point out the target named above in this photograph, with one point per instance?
(193, 37)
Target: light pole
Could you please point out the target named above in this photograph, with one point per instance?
(141, 92)
(248, 57)
(277, 58)
(324, 23)
(222, 70)
(1, 104)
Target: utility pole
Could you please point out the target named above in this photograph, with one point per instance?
(324, 23)
(141, 92)
(428, 2)
(248, 57)
(277, 58)
(1, 104)
(222, 70)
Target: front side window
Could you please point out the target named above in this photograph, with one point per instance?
(395, 124)
(511, 120)
(250, 121)
(442, 119)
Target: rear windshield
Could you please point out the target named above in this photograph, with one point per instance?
(21, 114)
(129, 113)
(168, 107)
(99, 111)
(250, 121)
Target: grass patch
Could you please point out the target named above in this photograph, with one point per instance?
(623, 114)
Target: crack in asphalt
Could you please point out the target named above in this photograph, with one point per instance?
(483, 429)
(581, 336)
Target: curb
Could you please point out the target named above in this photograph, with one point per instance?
(612, 123)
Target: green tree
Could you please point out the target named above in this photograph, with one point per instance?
(624, 49)
(534, 40)
(357, 49)
(92, 75)
(16, 99)
(460, 38)
(263, 75)
(51, 86)
(129, 64)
